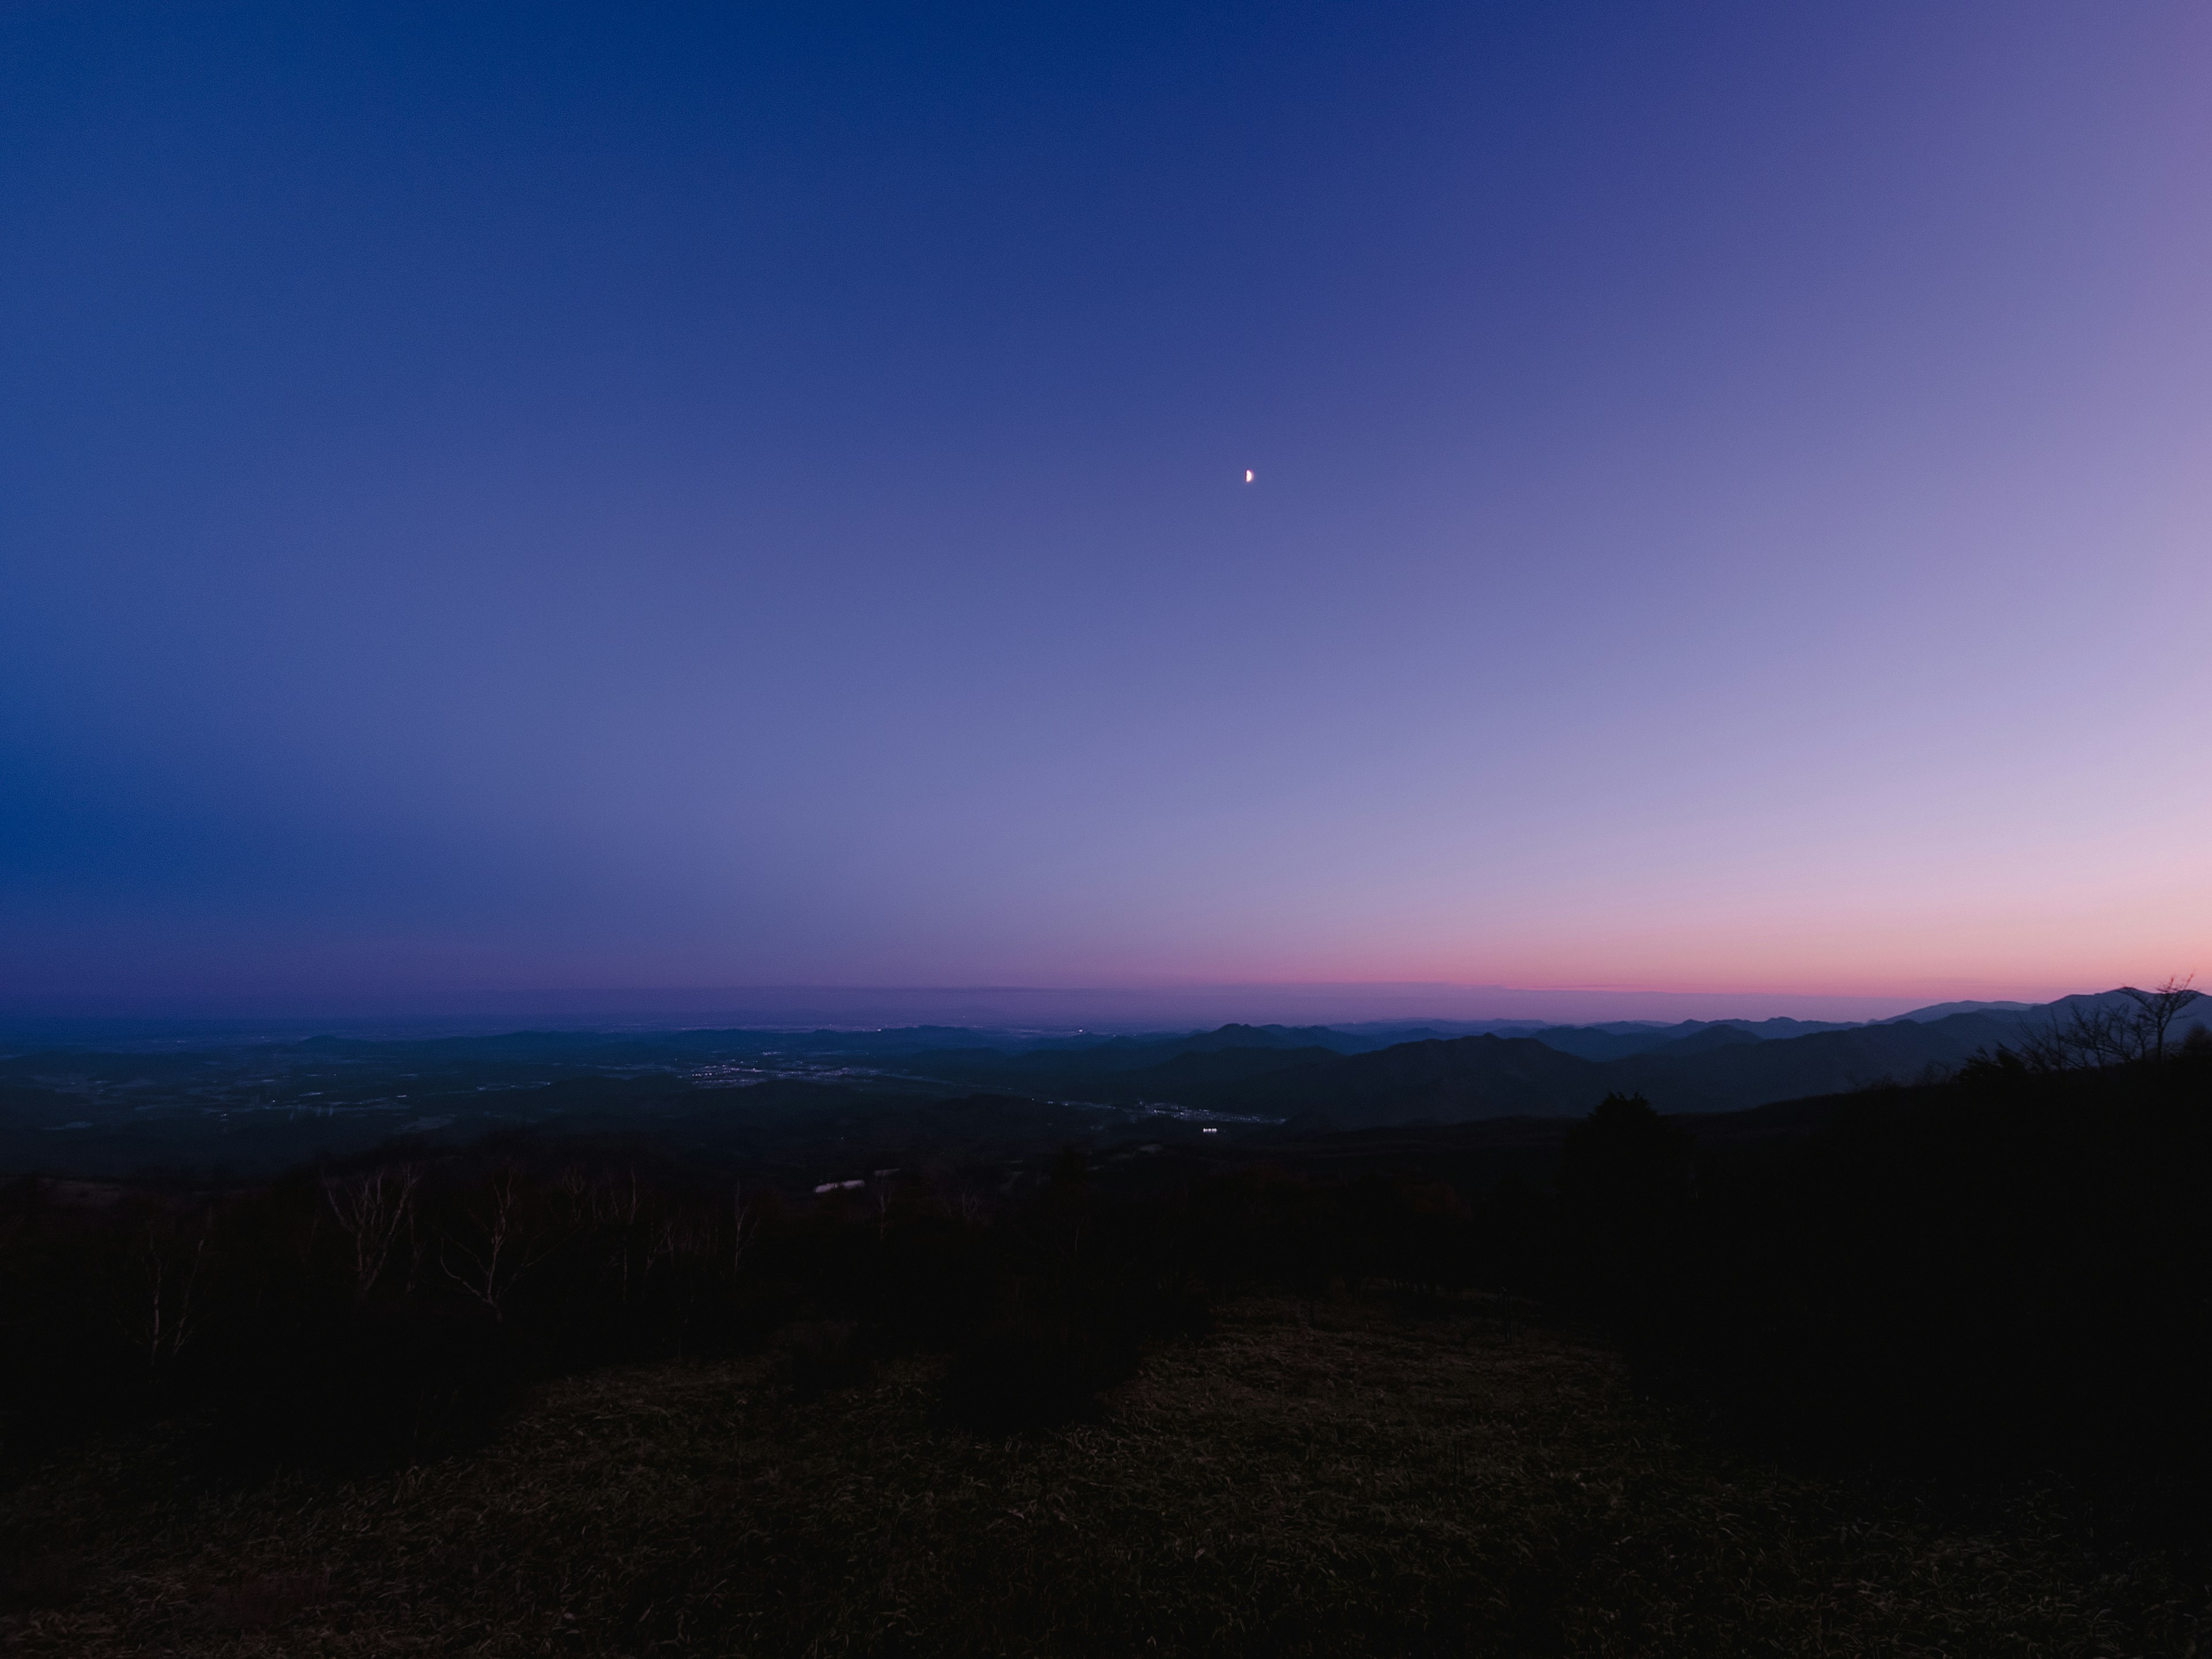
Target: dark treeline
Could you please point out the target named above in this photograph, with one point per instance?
(2008, 1272)
(352, 1318)
(2005, 1271)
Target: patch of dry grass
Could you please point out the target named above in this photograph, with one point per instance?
(1359, 1482)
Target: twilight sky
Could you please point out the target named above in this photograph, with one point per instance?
(495, 500)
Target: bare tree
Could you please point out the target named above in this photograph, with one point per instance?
(172, 1274)
(880, 1194)
(2156, 1009)
(626, 1211)
(372, 1211)
(2091, 1034)
(679, 1234)
(503, 1245)
(746, 1217)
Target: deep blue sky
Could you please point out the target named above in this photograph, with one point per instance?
(494, 498)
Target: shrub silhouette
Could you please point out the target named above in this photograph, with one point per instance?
(1626, 1181)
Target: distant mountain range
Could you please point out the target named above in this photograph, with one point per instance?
(1321, 1077)
(1720, 1068)
(788, 1100)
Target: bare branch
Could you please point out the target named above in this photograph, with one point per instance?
(373, 1211)
(2156, 1009)
(504, 1245)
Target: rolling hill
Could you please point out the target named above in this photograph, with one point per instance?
(1717, 1069)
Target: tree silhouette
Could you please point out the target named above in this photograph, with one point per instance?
(1623, 1150)
(2156, 1011)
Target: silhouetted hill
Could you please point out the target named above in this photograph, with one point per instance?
(1446, 1081)
(1719, 1068)
(1129, 1053)
(1598, 1042)
(2198, 1013)
(1201, 1069)
(1753, 1073)
(1134, 1067)
(1619, 1039)
(1705, 1041)
(1941, 1010)
(1273, 1037)
(1781, 1027)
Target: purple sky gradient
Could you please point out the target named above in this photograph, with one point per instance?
(502, 500)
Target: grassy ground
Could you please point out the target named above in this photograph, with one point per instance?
(1357, 1481)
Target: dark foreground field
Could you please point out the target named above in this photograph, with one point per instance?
(1347, 1476)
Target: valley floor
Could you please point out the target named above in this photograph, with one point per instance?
(1340, 1479)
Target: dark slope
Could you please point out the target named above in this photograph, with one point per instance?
(1165, 1074)
(1202, 1069)
(1941, 1009)
(1131, 1053)
(1603, 1042)
(1595, 1042)
(1751, 1074)
(1125, 1068)
(1720, 1068)
(1705, 1041)
(1274, 1036)
(1781, 1027)
(1446, 1082)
